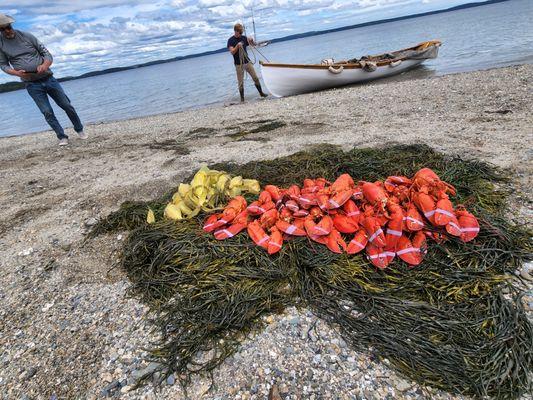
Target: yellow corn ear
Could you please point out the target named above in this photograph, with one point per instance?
(222, 182)
(251, 185)
(236, 191)
(207, 191)
(213, 177)
(186, 210)
(183, 189)
(235, 182)
(176, 198)
(173, 212)
(150, 217)
(200, 179)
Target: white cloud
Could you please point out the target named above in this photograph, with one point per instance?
(124, 32)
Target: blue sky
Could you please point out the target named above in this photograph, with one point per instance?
(91, 35)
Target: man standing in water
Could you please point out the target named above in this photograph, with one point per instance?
(22, 55)
(237, 47)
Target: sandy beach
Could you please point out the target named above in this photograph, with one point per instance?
(68, 328)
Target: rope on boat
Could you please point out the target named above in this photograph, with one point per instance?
(336, 70)
(257, 49)
(395, 63)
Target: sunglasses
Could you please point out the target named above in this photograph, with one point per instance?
(6, 28)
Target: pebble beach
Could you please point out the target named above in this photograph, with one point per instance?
(69, 330)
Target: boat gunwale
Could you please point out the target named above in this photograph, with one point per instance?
(427, 44)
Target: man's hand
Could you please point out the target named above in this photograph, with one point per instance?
(238, 44)
(20, 73)
(42, 68)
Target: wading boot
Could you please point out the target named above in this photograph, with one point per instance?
(241, 92)
(260, 90)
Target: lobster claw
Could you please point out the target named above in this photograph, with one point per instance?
(309, 186)
(345, 224)
(426, 204)
(392, 182)
(358, 242)
(357, 193)
(258, 235)
(468, 223)
(265, 196)
(374, 194)
(275, 242)
(379, 256)
(351, 210)
(322, 200)
(323, 228)
(293, 192)
(300, 213)
(257, 207)
(338, 199)
(374, 231)
(269, 218)
(211, 223)
(342, 183)
(408, 252)
(290, 229)
(444, 211)
(307, 200)
(413, 219)
(419, 242)
(335, 242)
(394, 230)
(274, 191)
(292, 205)
(229, 232)
(453, 227)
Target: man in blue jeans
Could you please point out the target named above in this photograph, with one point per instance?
(22, 55)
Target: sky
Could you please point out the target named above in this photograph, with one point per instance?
(91, 35)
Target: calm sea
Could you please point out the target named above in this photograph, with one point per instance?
(473, 39)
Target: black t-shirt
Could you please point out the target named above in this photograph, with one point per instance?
(232, 42)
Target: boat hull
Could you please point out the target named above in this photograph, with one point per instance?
(288, 81)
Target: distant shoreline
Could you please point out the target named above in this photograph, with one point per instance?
(219, 105)
(13, 86)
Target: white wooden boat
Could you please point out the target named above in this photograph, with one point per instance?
(290, 79)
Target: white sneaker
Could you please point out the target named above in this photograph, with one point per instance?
(83, 135)
(63, 142)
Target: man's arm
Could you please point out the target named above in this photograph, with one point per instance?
(43, 51)
(6, 67)
(234, 49)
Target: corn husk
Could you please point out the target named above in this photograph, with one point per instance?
(208, 191)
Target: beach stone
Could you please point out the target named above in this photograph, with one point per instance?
(171, 380)
(91, 222)
(150, 369)
(402, 385)
(28, 374)
(126, 389)
(109, 389)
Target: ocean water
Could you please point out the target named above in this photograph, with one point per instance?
(478, 38)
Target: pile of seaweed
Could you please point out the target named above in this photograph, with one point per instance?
(456, 322)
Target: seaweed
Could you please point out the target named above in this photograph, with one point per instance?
(447, 323)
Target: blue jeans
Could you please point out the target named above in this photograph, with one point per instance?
(40, 90)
